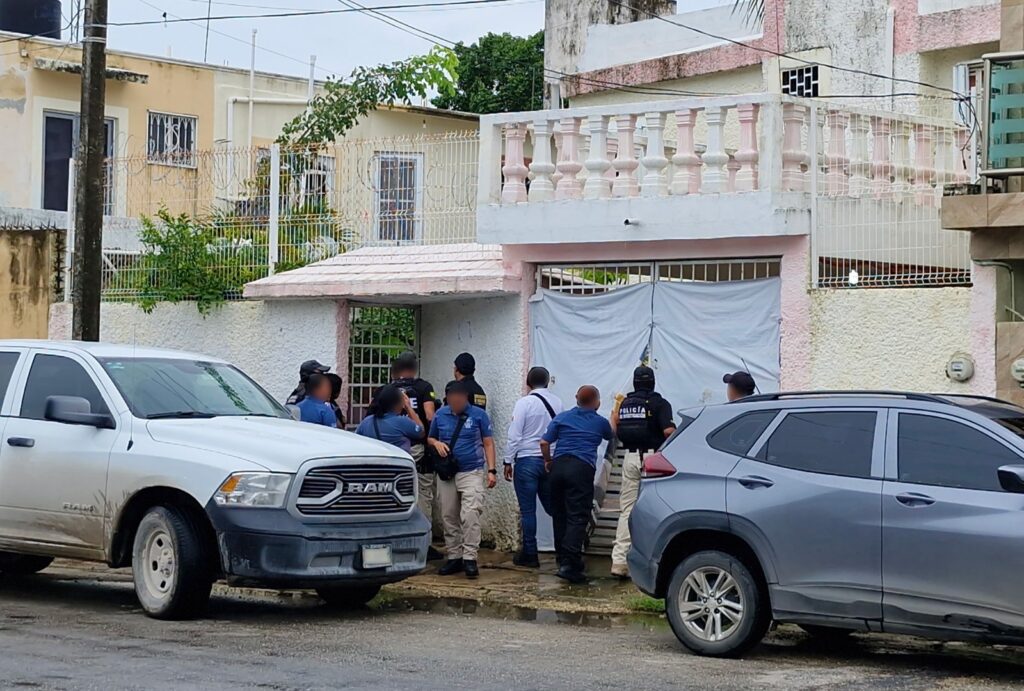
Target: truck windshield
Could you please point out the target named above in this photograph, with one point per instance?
(173, 388)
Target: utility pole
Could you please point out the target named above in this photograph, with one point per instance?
(88, 263)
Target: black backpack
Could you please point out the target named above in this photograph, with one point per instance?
(636, 429)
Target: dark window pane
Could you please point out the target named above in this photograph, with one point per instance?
(54, 375)
(738, 436)
(938, 451)
(58, 144)
(834, 443)
(8, 361)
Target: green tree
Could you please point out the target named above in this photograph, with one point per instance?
(344, 101)
(500, 73)
(753, 9)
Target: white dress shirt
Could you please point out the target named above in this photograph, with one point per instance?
(530, 419)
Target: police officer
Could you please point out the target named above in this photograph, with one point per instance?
(308, 369)
(405, 376)
(739, 385)
(465, 369)
(642, 421)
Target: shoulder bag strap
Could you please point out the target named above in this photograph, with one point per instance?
(376, 428)
(551, 411)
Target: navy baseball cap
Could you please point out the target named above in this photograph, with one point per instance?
(742, 381)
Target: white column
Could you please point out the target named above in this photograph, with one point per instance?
(860, 166)
(836, 160)
(542, 188)
(686, 178)
(654, 183)
(625, 163)
(275, 206)
(597, 164)
(569, 165)
(514, 170)
(716, 176)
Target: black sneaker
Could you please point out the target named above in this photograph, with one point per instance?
(572, 575)
(452, 566)
(530, 561)
(433, 554)
(471, 569)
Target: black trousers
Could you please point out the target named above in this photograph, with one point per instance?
(572, 500)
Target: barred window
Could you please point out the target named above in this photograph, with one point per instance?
(801, 81)
(172, 139)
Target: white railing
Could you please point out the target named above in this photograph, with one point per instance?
(872, 179)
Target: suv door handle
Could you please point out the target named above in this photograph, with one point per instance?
(24, 442)
(755, 482)
(914, 500)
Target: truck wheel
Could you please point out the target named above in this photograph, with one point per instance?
(715, 606)
(169, 565)
(22, 564)
(348, 597)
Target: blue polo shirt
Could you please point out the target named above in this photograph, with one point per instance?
(317, 412)
(397, 430)
(579, 432)
(469, 452)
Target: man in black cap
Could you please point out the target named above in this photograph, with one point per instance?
(739, 385)
(642, 422)
(308, 369)
(465, 368)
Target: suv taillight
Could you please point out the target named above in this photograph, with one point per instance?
(656, 466)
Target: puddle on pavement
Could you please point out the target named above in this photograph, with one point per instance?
(467, 607)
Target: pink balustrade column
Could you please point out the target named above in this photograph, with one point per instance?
(716, 177)
(836, 182)
(686, 178)
(747, 156)
(881, 156)
(655, 163)
(732, 168)
(597, 185)
(904, 171)
(514, 170)
(569, 164)
(794, 158)
(924, 164)
(946, 158)
(542, 188)
(625, 163)
(860, 165)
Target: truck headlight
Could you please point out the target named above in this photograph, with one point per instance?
(264, 490)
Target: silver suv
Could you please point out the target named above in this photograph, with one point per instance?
(183, 468)
(844, 511)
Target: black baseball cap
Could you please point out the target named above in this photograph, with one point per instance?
(465, 363)
(312, 367)
(742, 381)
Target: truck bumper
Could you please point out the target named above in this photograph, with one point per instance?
(269, 547)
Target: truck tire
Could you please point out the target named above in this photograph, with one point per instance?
(22, 564)
(715, 605)
(169, 566)
(347, 597)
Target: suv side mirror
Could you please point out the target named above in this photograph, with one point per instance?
(74, 410)
(1011, 478)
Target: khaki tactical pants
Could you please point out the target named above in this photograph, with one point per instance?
(426, 484)
(631, 466)
(462, 503)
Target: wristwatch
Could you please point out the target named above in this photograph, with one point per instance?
(492, 471)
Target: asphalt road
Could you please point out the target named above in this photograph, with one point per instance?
(63, 633)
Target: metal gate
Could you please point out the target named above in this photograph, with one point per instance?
(378, 334)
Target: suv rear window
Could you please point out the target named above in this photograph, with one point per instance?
(831, 443)
(737, 436)
(684, 422)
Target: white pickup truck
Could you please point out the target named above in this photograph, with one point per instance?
(182, 467)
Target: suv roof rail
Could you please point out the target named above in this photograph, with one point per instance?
(909, 395)
(977, 397)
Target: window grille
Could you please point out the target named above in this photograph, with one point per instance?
(801, 81)
(172, 139)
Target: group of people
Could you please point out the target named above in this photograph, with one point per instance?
(551, 455)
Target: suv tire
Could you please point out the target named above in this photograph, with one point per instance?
(715, 605)
(347, 597)
(169, 566)
(22, 564)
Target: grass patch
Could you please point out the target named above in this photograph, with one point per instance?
(642, 603)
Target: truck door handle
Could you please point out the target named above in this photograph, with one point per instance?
(914, 500)
(755, 482)
(24, 442)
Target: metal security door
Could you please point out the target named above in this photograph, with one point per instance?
(378, 334)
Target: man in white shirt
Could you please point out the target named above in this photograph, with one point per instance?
(530, 419)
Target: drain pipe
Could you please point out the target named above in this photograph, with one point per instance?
(1012, 309)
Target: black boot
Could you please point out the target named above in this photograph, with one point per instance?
(472, 570)
(572, 575)
(529, 560)
(452, 566)
(433, 554)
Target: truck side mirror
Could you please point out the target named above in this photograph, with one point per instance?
(75, 410)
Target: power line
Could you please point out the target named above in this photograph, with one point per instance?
(419, 7)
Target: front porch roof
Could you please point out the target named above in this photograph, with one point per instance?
(407, 273)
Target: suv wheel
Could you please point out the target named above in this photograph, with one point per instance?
(169, 567)
(348, 597)
(715, 606)
(22, 564)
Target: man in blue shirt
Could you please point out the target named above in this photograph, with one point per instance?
(579, 433)
(393, 419)
(314, 407)
(462, 497)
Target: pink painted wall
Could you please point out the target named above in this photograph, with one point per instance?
(795, 345)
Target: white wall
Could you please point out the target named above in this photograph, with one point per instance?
(492, 329)
(897, 338)
(267, 340)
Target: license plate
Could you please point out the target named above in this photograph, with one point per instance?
(376, 556)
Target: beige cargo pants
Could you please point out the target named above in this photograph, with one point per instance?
(462, 503)
(631, 466)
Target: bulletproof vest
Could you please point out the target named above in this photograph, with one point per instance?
(636, 429)
(408, 385)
